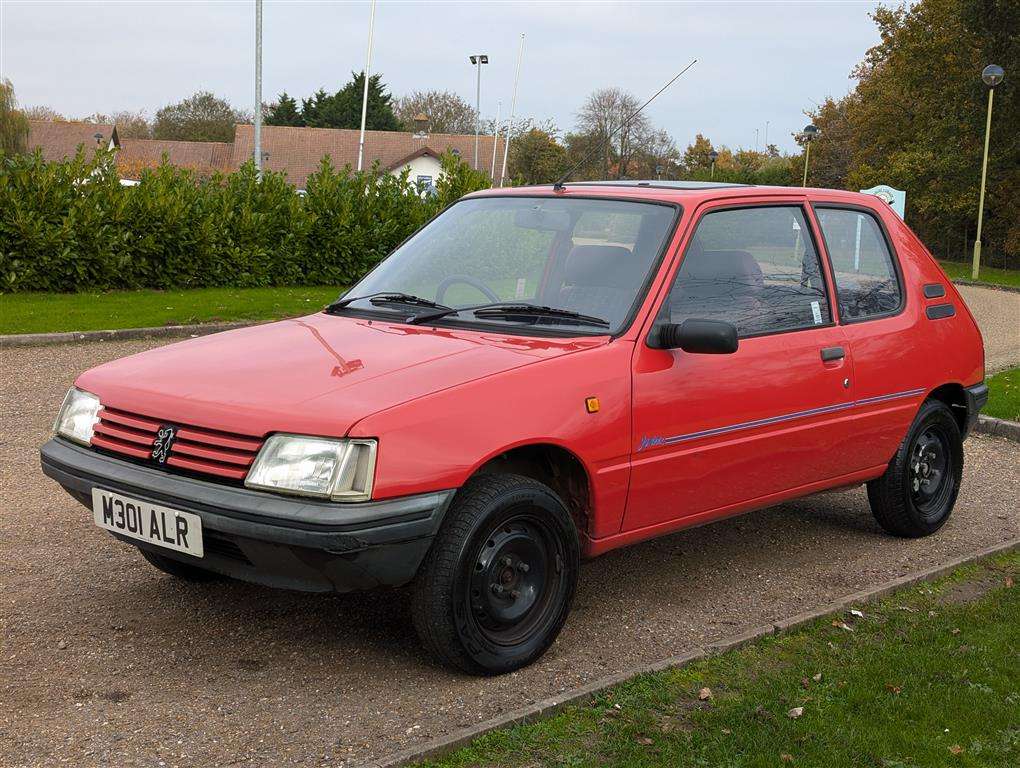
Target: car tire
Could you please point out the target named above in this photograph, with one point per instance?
(177, 569)
(917, 493)
(496, 586)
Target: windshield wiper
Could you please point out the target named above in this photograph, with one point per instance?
(504, 309)
(390, 297)
(510, 309)
(497, 310)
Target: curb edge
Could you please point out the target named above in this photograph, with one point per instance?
(989, 425)
(550, 706)
(120, 334)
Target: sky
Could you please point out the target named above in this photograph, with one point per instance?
(758, 62)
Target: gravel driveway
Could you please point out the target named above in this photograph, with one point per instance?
(998, 314)
(107, 662)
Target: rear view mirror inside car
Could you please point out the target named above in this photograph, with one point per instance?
(543, 219)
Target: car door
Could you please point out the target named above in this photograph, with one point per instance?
(714, 433)
(879, 329)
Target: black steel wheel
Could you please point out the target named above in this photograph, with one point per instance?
(496, 587)
(917, 493)
(929, 476)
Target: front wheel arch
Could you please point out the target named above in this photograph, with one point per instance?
(554, 466)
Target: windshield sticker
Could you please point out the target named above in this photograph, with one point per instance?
(816, 311)
(519, 293)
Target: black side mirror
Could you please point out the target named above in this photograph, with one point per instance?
(707, 337)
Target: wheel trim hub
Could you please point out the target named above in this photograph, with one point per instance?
(929, 467)
(511, 577)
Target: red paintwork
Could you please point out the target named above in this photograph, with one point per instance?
(443, 402)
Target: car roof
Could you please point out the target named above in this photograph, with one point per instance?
(685, 193)
(658, 184)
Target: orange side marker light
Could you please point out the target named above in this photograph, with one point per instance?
(591, 404)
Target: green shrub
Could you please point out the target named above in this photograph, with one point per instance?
(71, 226)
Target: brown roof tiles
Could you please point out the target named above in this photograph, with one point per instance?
(60, 140)
(298, 151)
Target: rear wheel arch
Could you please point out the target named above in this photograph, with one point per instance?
(952, 395)
(554, 466)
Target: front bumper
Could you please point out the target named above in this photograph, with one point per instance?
(279, 541)
(977, 397)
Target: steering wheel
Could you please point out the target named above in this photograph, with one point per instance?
(467, 280)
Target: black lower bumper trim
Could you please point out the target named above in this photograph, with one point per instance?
(977, 397)
(267, 538)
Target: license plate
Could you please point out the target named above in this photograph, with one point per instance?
(162, 526)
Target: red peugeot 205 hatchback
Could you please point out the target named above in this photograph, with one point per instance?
(537, 375)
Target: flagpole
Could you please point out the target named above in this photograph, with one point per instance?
(495, 140)
(364, 95)
(513, 107)
(258, 87)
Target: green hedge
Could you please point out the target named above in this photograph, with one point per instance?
(71, 226)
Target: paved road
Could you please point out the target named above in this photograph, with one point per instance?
(106, 661)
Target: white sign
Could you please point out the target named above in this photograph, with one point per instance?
(896, 198)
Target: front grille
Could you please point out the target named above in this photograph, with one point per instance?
(195, 449)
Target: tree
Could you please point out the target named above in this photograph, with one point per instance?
(537, 158)
(447, 112)
(343, 108)
(13, 123)
(46, 114)
(284, 112)
(916, 120)
(604, 116)
(202, 117)
(696, 156)
(584, 151)
(130, 125)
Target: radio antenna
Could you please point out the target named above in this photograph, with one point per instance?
(558, 186)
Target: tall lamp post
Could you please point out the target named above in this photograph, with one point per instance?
(713, 156)
(809, 134)
(992, 75)
(477, 60)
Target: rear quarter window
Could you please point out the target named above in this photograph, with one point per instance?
(867, 281)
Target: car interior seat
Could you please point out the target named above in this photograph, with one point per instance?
(718, 285)
(600, 280)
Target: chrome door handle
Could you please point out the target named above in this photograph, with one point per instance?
(832, 353)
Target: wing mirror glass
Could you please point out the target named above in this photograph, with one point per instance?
(706, 337)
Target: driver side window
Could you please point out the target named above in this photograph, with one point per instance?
(756, 268)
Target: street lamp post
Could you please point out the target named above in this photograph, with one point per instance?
(478, 59)
(713, 156)
(809, 134)
(992, 76)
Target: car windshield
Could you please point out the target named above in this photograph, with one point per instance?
(568, 265)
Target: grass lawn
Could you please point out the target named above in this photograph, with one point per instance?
(958, 270)
(928, 677)
(49, 312)
(1004, 395)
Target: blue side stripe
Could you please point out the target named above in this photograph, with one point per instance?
(651, 442)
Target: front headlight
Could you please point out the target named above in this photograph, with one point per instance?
(78, 416)
(341, 470)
